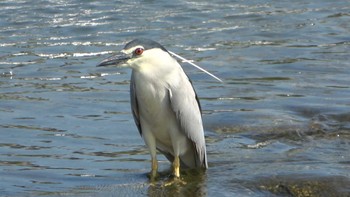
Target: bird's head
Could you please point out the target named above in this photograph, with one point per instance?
(139, 54)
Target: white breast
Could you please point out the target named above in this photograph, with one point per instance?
(154, 107)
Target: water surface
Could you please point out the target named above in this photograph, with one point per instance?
(278, 125)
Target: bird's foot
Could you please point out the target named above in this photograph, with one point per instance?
(174, 181)
(153, 175)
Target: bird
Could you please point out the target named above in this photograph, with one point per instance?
(164, 104)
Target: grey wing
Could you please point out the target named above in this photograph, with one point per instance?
(134, 104)
(186, 106)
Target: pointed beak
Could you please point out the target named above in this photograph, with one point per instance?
(117, 60)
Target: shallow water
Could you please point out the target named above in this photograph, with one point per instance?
(278, 125)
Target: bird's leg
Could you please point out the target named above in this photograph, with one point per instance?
(176, 180)
(154, 168)
(176, 166)
(151, 143)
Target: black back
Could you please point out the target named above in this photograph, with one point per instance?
(146, 43)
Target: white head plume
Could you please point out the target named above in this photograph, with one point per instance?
(198, 67)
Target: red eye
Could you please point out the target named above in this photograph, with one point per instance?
(138, 51)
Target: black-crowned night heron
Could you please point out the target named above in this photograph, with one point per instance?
(164, 104)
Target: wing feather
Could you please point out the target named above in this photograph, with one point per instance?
(134, 104)
(185, 104)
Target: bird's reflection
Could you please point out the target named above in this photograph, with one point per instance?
(191, 183)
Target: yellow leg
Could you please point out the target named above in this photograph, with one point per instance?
(154, 168)
(176, 166)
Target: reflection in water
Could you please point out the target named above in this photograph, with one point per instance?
(192, 183)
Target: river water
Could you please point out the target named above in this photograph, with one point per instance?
(279, 125)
